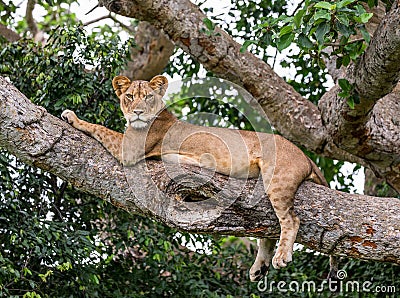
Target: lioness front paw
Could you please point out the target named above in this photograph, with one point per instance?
(70, 117)
(281, 258)
(258, 270)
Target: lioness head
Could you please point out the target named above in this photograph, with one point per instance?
(140, 101)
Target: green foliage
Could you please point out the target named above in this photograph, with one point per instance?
(348, 93)
(210, 27)
(7, 10)
(318, 25)
(59, 68)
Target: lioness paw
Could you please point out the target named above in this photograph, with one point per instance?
(281, 258)
(258, 270)
(69, 116)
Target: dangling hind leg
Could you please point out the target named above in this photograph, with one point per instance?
(281, 190)
(289, 223)
(265, 253)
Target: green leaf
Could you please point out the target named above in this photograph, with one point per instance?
(285, 41)
(360, 9)
(298, 17)
(350, 102)
(246, 44)
(305, 42)
(209, 24)
(26, 271)
(342, 18)
(345, 85)
(321, 31)
(322, 14)
(365, 34)
(344, 30)
(365, 17)
(344, 3)
(285, 30)
(267, 38)
(325, 5)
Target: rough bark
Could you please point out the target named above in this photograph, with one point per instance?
(151, 55)
(342, 133)
(8, 34)
(374, 138)
(372, 127)
(378, 70)
(374, 76)
(331, 222)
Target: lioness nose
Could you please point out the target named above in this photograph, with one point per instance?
(138, 112)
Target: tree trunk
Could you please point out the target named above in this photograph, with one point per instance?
(331, 222)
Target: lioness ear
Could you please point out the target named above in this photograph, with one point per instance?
(159, 84)
(120, 84)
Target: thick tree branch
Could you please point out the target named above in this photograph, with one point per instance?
(375, 75)
(331, 222)
(378, 70)
(371, 129)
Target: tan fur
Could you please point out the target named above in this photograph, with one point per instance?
(154, 132)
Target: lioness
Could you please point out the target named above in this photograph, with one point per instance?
(152, 131)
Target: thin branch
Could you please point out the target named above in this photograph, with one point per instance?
(110, 16)
(301, 3)
(349, 42)
(127, 28)
(92, 9)
(29, 17)
(97, 19)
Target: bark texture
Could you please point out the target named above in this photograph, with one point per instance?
(331, 222)
(151, 55)
(8, 34)
(332, 129)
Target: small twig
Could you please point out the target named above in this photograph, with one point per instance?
(350, 42)
(130, 29)
(110, 16)
(301, 3)
(92, 9)
(97, 20)
(276, 55)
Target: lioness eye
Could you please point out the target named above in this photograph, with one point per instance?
(149, 97)
(129, 96)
